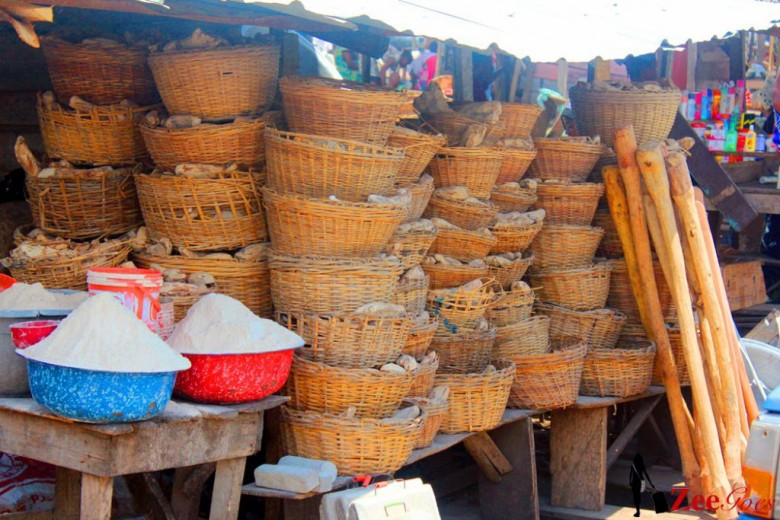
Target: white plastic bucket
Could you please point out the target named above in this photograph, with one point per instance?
(137, 289)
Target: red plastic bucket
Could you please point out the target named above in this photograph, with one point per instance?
(28, 333)
(137, 289)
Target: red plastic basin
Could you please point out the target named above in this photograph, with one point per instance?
(6, 282)
(233, 378)
(28, 333)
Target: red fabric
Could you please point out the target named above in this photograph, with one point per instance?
(430, 66)
(25, 484)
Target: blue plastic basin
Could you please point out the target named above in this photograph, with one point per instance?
(99, 397)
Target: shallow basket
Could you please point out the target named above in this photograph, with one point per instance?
(458, 308)
(419, 149)
(524, 338)
(506, 276)
(447, 276)
(436, 414)
(477, 401)
(420, 337)
(600, 328)
(507, 202)
(515, 164)
(578, 288)
(203, 214)
(513, 239)
(356, 446)
(610, 245)
(475, 168)
(675, 340)
(300, 225)
(465, 351)
(240, 142)
(568, 203)
(512, 307)
(465, 215)
(621, 295)
(423, 380)
(565, 160)
(462, 244)
(412, 294)
(319, 167)
(564, 246)
(321, 285)
(622, 371)
(519, 119)
(421, 195)
(322, 388)
(216, 84)
(411, 248)
(340, 109)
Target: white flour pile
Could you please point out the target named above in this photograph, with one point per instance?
(22, 297)
(101, 334)
(219, 324)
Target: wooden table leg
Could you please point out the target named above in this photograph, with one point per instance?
(96, 495)
(67, 494)
(188, 485)
(227, 489)
(302, 509)
(516, 496)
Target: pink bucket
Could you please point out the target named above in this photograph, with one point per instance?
(137, 289)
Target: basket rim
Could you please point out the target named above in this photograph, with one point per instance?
(486, 205)
(304, 140)
(201, 128)
(101, 110)
(507, 368)
(466, 335)
(336, 84)
(338, 261)
(593, 313)
(491, 152)
(53, 39)
(554, 144)
(320, 417)
(215, 51)
(593, 268)
(378, 375)
(328, 202)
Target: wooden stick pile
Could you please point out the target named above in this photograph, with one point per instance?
(650, 196)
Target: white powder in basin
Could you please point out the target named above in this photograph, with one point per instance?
(102, 334)
(22, 297)
(219, 324)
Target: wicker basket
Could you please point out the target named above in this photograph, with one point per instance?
(610, 246)
(322, 388)
(565, 160)
(564, 246)
(618, 372)
(182, 303)
(551, 380)
(448, 276)
(247, 282)
(412, 294)
(675, 340)
(315, 285)
(436, 414)
(578, 288)
(569, 203)
(515, 164)
(420, 337)
(621, 295)
(421, 195)
(475, 168)
(454, 124)
(349, 340)
(524, 338)
(477, 401)
(465, 215)
(508, 202)
(355, 446)
(601, 113)
(512, 307)
(240, 142)
(513, 239)
(423, 380)
(419, 149)
(458, 308)
(203, 214)
(465, 351)
(320, 167)
(340, 109)
(462, 244)
(411, 248)
(600, 328)
(101, 74)
(506, 276)
(217, 84)
(84, 207)
(519, 119)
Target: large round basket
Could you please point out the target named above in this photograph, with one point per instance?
(512, 307)
(610, 245)
(423, 379)
(513, 201)
(515, 164)
(461, 308)
(80, 207)
(465, 215)
(321, 285)
(563, 246)
(601, 113)
(513, 239)
(240, 142)
(578, 288)
(203, 214)
(477, 401)
(675, 340)
(565, 160)
(411, 294)
(421, 195)
(519, 119)
(340, 109)
(420, 337)
(436, 414)
(462, 244)
(600, 328)
(447, 276)
(624, 370)
(551, 380)
(524, 338)
(349, 340)
(509, 274)
(301, 225)
(412, 247)
(454, 125)
(465, 351)
(217, 84)
(101, 73)
(475, 168)
(320, 167)
(621, 295)
(322, 388)
(419, 149)
(568, 203)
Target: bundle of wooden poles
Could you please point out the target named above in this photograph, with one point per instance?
(650, 196)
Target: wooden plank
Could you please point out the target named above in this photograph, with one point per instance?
(33, 515)
(187, 487)
(463, 75)
(227, 489)
(598, 70)
(768, 331)
(67, 493)
(256, 491)
(528, 83)
(96, 497)
(563, 77)
(515, 79)
(750, 237)
(585, 401)
(692, 59)
(148, 497)
(630, 430)
(487, 454)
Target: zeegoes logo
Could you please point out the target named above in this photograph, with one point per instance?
(740, 498)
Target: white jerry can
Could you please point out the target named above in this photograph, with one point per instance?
(398, 500)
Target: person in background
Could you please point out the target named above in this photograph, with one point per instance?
(389, 60)
(418, 68)
(400, 78)
(348, 63)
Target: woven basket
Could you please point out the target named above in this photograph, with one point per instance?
(216, 84)
(322, 388)
(514, 239)
(565, 160)
(421, 195)
(465, 351)
(465, 215)
(568, 203)
(524, 338)
(621, 296)
(84, 207)
(515, 164)
(203, 214)
(247, 282)
(349, 340)
(475, 168)
(411, 248)
(512, 307)
(419, 149)
(578, 288)
(182, 303)
(600, 328)
(506, 276)
(459, 308)
(423, 380)
(412, 294)
(355, 446)
(601, 113)
(508, 202)
(320, 167)
(436, 414)
(106, 135)
(551, 380)
(462, 244)
(240, 142)
(675, 340)
(519, 119)
(447, 276)
(101, 74)
(564, 246)
(420, 338)
(618, 372)
(477, 401)
(454, 124)
(610, 245)
(340, 109)
(315, 285)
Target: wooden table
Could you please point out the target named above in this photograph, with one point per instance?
(190, 437)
